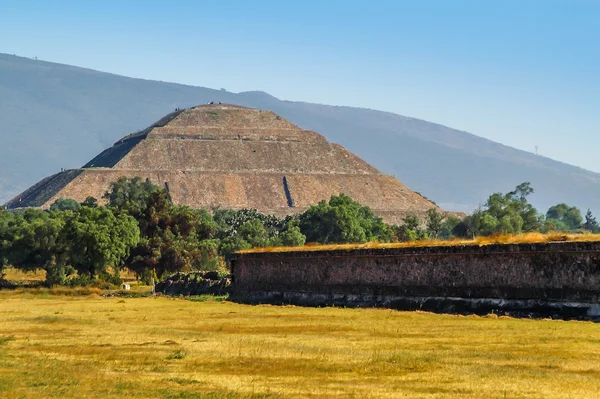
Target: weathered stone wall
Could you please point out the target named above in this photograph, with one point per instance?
(382, 277)
(195, 283)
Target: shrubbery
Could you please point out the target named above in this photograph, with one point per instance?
(342, 220)
(511, 213)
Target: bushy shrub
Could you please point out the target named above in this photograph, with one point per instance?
(342, 220)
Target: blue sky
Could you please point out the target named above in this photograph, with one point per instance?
(523, 73)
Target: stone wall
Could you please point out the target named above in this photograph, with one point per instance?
(195, 283)
(514, 276)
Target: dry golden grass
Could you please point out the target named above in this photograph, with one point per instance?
(478, 241)
(16, 275)
(20, 276)
(84, 347)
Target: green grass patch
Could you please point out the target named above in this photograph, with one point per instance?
(4, 340)
(208, 298)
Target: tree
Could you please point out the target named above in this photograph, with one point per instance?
(173, 238)
(6, 237)
(508, 213)
(247, 228)
(590, 222)
(412, 222)
(255, 233)
(232, 244)
(291, 236)
(573, 218)
(522, 191)
(229, 221)
(130, 195)
(90, 202)
(434, 222)
(98, 238)
(65, 204)
(470, 226)
(448, 226)
(342, 220)
(557, 212)
(402, 233)
(409, 230)
(564, 217)
(38, 241)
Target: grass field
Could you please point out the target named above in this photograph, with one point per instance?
(54, 346)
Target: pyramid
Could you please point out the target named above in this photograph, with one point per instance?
(233, 157)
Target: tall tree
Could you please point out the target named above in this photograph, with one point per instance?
(509, 213)
(590, 222)
(6, 237)
(173, 238)
(564, 217)
(130, 195)
(98, 238)
(342, 220)
(39, 241)
(65, 204)
(434, 222)
(90, 202)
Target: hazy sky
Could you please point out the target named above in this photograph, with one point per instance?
(523, 73)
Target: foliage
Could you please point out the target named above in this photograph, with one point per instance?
(99, 238)
(61, 242)
(343, 220)
(130, 195)
(292, 236)
(174, 238)
(448, 227)
(38, 241)
(590, 222)
(563, 217)
(229, 221)
(78, 244)
(6, 237)
(434, 222)
(412, 229)
(403, 233)
(248, 228)
(65, 204)
(90, 202)
(508, 213)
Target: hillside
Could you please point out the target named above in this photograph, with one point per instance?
(57, 116)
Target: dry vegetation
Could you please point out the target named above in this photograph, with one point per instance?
(23, 277)
(83, 347)
(528, 238)
(37, 276)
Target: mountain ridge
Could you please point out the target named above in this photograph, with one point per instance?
(58, 116)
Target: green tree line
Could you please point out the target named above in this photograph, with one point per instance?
(140, 228)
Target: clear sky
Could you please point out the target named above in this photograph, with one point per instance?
(523, 73)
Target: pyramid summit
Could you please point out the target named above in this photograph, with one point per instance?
(232, 157)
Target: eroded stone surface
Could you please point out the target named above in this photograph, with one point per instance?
(547, 279)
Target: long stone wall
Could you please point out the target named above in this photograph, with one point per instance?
(556, 279)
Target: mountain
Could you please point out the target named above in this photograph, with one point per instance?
(57, 116)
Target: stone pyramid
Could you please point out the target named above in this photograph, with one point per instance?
(233, 157)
